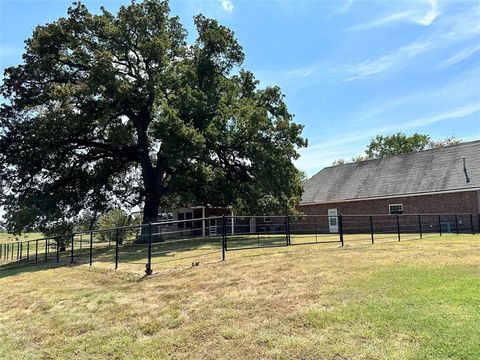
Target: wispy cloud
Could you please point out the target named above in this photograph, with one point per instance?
(415, 13)
(227, 5)
(346, 6)
(461, 55)
(385, 62)
(431, 15)
(392, 18)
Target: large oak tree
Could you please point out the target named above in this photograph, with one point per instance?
(119, 108)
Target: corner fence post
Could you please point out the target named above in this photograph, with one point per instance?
(420, 226)
(91, 248)
(116, 250)
(340, 228)
(148, 270)
(439, 225)
(71, 251)
(224, 237)
(398, 227)
(456, 224)
(471, 224)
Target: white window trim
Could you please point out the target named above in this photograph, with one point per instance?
(392, 205)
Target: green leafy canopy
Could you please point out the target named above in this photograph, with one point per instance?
(117, 109)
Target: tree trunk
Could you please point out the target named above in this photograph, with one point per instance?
(151, 182)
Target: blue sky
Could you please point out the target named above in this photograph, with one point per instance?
(350, 69)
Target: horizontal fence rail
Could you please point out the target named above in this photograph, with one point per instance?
(179, 243)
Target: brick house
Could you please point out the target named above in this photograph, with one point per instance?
(437, 181)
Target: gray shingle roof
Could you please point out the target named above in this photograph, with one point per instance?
(414, 173)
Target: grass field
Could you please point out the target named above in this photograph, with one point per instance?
(397, 300)
(4, 237)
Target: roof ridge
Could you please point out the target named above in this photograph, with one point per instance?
(405, 154)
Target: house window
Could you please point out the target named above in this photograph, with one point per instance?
(267, 219)
(395, 209)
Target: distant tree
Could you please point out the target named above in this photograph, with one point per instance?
(118, 109)
(339, 161)
(360, 158)
(399, 143)
(452, 140)
(117, 218)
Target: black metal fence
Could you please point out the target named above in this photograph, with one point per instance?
(173, 244)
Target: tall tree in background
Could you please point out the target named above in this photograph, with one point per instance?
(396, 144)
(389, 145)
(119, 108)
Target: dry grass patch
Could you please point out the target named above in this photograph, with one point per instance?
(408, 300)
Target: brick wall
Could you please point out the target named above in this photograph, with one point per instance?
(467, 202)
(450, 203)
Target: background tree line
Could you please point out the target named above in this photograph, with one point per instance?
(399, 143)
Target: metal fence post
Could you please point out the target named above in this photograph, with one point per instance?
(456, 224)
(398, 227)
(18, 250)
(439, 225)
(224, 237)
(420, 226)
(28, 250)
(116, 250)
(13, 251)
(286, 230)
(471, 224)
(58, 249)
(148, 270)
(91, 248)
(21, 249)
(71, 249)
(340, 228)
(36, 250)
(371, 229)
(46, 249)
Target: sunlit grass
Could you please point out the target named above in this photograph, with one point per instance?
(414, 299)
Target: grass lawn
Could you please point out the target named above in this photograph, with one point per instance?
(4, 237)
(398, 300)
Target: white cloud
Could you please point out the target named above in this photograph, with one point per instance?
(381, 21)
(415, 13)
(461, 55)
(227, 5)
(344, 9)
(385, 62)
(431, 15)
